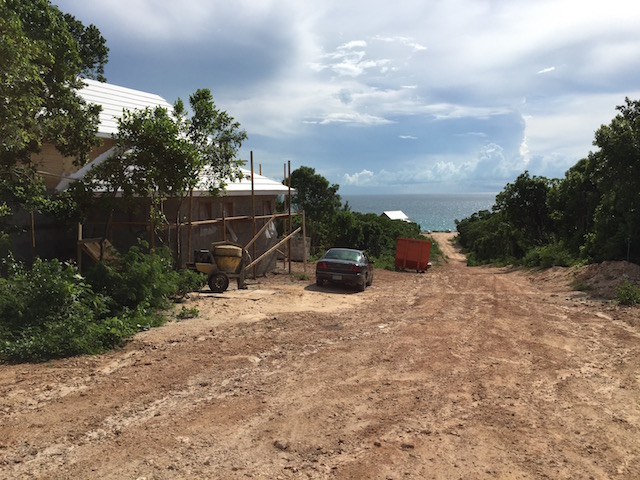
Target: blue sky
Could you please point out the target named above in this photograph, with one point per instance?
(410, 96)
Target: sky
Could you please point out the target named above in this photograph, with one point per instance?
(380, 97)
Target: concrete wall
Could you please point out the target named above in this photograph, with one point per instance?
(54, 166)
(297, 248)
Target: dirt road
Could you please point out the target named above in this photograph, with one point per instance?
(456, 373)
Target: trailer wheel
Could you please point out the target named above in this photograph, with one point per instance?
(218, 282)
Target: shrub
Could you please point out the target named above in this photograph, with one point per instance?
(551, 255)
(50, 311)
(51, 290)
(142, 279)
(186, 313)
(628, 293)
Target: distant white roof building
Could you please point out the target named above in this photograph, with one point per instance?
(115, 99)
(396, 215)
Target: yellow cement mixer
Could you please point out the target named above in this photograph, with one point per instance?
(223, 261)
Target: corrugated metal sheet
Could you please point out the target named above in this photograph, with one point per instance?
(114, 99)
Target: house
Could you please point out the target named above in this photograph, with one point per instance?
(58, 170)
(192, 223)
(395, 215)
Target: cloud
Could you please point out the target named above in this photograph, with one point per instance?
(353, 44)
(362, 178)
(436, 89)
(409, 42)
(351, 118)
(524, 150)
(472, 134)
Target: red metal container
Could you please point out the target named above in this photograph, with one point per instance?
(413, 254)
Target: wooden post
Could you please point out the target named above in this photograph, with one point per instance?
(304, 244)
(152, 228)
(289, 242)
(33, 236)
(79, 248)
(190, 226)
(224, 222)
(253, 213)
(284, 221)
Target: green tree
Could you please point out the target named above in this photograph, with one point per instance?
(319, 200)
(160, 155)
(487, 237)
(592, 213)
(314, 194)
(573, 201)
(43, 56)
(616, 231)
(524, 206)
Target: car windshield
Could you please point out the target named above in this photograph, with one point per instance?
(350, 255)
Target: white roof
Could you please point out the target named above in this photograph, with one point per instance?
(114, 99)
(396, 215)
(261, 186)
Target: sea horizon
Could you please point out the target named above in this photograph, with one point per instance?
(431, 211)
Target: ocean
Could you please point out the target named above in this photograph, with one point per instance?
(435, 212)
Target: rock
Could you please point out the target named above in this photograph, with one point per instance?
(281, 444)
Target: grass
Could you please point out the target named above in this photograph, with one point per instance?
(186, 313)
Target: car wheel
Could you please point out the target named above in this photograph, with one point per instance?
(363, 286)
(369, 280)
(218, 282)
(320, 282)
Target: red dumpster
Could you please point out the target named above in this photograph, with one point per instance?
(413, 254)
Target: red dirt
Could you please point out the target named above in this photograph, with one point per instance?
(456, 373)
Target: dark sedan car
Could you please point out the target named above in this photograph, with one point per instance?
(345, 266)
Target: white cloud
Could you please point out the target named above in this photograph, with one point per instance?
(353, 118)
(524, 150)
(409, 42)
(472, 134)
(363, 178)
(353, 44)
(563, 131)
(447, 72)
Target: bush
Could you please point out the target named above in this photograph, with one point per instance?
(50, 311)
(488, 239)
(552, 255)
(142, 279)
(628, 293)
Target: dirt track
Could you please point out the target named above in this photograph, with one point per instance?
(457, 373)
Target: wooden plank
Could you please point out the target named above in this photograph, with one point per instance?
(93, 250)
